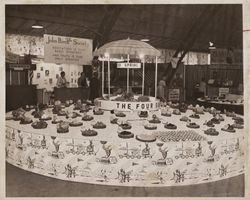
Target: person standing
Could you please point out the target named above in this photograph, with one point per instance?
(94, 87)
(178, 81)
(202, 87)
(82, 81)
(61, 81)
(161, 88)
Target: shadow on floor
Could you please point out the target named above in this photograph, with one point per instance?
(20, 183)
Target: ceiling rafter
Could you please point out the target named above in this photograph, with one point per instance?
(55, 20)
(106, 25)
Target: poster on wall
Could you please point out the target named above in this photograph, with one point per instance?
(67, 50)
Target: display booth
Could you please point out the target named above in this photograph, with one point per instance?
(129, 48)
(127, 140)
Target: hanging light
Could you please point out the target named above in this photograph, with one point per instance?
(36, 25)
(141, 56)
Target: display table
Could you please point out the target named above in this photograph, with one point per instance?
(64, 94)
(233, 107)
(213, 91)
(109, 160)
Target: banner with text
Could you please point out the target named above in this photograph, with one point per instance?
(226, 56)
(67, 50)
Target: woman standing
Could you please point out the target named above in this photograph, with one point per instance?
(61, 81)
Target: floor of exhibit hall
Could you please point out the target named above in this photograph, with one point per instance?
(20, 183)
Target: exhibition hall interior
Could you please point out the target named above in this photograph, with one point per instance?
(137, 100)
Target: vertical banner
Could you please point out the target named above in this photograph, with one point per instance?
(67, 50)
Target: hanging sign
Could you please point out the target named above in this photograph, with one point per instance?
(67, 50)
(21, 66)
(174, 94)
(129, 65)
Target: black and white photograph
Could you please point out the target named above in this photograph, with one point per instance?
(46, 72)
(50, 81)
(149, 100)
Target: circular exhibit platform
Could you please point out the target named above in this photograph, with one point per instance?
(152, 155)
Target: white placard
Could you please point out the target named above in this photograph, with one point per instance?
(129, 65)
(174, 94)
(67, 50)
(223, 91)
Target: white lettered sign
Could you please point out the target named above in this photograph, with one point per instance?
(174, 94)
(129, 65)
(67, 50)
(223, 91)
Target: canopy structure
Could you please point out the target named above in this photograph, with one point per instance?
(128, 47)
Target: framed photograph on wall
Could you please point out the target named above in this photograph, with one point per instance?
(38, 75)
(41, 68)
(46, 72)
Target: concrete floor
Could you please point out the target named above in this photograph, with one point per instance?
(20, 183)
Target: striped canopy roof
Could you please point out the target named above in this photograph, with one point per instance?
(128, 46)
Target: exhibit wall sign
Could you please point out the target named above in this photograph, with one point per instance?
(67, 50)
(226, 56)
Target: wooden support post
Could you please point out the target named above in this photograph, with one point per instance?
(128, 75)
(102, 77)
(109, 75)
(143, 75)
(156, 74)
